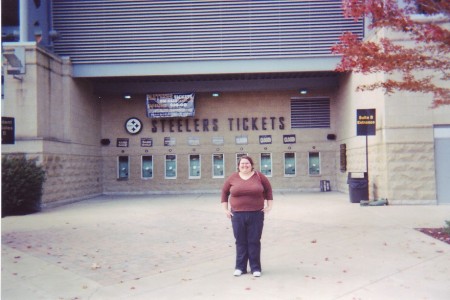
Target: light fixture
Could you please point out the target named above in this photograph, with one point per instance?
(303, 91)
(127, 96)
(215, 94)
(16, 61)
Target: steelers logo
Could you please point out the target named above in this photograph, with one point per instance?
(133, 125)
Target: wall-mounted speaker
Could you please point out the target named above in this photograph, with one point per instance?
(331, 137)
(105, 142)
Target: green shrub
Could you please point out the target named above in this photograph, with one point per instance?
(22, 183)
(447, 227)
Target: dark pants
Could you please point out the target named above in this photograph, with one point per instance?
(247, 229)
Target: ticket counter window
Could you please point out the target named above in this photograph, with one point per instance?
(218, 166)
(147, 167)
(238, 157)
(289, 164)
(171, 166)
(194, 166)
(266, 164)
(123, 167)
(314, 163)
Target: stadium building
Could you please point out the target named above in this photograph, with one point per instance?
(141, 97)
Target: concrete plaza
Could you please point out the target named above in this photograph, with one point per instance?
(314, 246)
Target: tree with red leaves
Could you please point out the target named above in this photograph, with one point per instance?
(425, 22)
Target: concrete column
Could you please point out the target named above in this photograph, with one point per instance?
(23, 15)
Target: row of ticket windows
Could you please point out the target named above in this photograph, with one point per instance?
(217, 163)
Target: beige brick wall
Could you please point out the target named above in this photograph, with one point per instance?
(401, 155)
(116, 111)
(58, 120)
(61, 121)
(72, 176)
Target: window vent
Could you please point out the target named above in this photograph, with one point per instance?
(310, 113)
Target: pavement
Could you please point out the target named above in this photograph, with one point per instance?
(314, 246)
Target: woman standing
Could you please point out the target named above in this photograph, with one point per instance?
(246, 191)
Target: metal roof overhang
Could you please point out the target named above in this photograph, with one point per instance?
(216, 83)
(223, 76)
(275, 65)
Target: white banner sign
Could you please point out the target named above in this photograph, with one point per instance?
(170, 105)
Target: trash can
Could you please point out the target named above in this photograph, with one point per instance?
(325, 186)
(358, 186)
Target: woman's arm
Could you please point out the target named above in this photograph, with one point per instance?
(227, 211)
(224, 197)
(269, 205)
(268, 194)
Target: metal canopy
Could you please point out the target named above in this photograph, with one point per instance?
(216, 82)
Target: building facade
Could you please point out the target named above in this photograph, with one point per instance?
(121, 97)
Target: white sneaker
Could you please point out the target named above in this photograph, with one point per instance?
(237, 272)
(256, 274)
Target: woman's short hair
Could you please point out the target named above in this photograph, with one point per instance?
(247, 158)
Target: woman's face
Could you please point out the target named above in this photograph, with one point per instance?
(245, 166)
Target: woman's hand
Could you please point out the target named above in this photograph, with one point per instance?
(268, 207)
(228, 213)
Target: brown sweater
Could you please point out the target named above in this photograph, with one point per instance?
(247, 195)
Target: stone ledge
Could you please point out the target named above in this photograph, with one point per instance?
(413, 202)
(57, 203)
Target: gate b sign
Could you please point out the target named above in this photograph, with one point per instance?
(8, 135)
(365, 122)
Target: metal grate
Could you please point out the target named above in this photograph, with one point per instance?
(310, 113)
(100, 31)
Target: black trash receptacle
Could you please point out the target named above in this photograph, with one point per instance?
(358, 187)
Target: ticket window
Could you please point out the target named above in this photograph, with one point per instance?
(218, 165)
(194, 166)
(266, 164)
(238, 157)
(123, 167)
(170, 166)
(314, 163)
(147, 167)
(289, 164)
